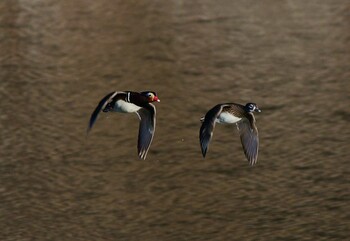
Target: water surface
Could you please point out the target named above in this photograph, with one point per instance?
(59, 58)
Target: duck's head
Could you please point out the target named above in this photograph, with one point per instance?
(251, 107)
(151, 96)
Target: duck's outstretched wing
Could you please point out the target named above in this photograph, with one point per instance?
(147, 127)
(207, 128)
(101, 105)
(249, 138)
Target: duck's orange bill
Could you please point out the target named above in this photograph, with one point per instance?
(155, 98)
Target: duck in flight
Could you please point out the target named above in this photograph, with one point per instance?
(232, 113)
(132, 102)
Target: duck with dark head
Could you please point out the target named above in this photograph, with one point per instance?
(232, 113)
(132, 102)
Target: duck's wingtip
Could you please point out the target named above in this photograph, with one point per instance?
(142, 154)
(252, 162)
(204, 152)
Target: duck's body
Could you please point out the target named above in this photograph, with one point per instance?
(232, 113)
(124, 107)
(132, 102)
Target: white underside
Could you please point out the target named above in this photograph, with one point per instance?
(125, 107)
(227, 118)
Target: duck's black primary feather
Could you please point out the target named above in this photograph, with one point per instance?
(249, 138)
(146, 129)
(207, 128)
(98, 109)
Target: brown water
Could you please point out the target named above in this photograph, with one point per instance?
(59, 58)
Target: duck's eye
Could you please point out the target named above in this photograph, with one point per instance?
(149, 95)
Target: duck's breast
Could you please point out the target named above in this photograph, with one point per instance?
(125, 107)
(227, 118)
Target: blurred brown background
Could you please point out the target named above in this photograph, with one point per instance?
(59, 58)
